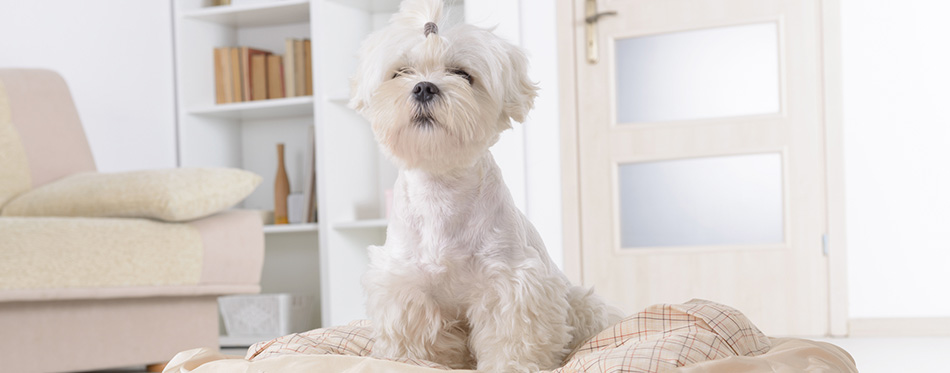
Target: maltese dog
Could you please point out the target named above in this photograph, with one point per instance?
(463, 278)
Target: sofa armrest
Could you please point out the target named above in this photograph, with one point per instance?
(170, 195)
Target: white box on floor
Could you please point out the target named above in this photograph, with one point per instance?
(265, 314)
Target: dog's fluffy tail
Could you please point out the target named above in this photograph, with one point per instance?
(589, 314)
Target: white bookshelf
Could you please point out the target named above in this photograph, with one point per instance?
(326, 258)
(264, 13)
(291, 107)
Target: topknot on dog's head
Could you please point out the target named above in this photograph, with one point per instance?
(431, 28)
(418, 14)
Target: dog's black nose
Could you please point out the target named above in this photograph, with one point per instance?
(425, 91)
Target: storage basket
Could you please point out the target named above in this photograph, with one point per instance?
(265, 314)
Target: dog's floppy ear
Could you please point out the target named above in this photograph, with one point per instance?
(519, 90)
(357, 102)
(363, 83)
(365, 80)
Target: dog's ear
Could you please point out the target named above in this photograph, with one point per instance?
(370, 72)
(362, 85)
(519, 90)
(357, 102)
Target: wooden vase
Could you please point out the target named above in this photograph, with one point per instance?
(281, 188)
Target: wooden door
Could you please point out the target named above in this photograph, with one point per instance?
(700, 157)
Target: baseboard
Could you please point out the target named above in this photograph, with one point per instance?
(900, 327)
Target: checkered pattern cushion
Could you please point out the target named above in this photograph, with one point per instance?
(659, 338)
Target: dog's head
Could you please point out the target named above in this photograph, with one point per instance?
(437, 95)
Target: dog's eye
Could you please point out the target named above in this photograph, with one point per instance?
(461, 73)
(402, 71)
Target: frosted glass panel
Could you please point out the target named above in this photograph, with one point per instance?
(702, 201)
(707, 73)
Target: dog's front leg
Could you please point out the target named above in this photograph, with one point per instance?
(519, 325)
(405, 320)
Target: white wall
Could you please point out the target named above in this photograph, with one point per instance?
(896, 64)
(529, 154)
(503, 16)
(542, 139)
(116, 56)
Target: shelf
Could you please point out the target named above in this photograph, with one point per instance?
(265, 13)
(291, 228)
(263, 109)
(375, 6)
(361, 224)
(383, 6)
(339, 98)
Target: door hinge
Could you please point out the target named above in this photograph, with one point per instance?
(824, 244)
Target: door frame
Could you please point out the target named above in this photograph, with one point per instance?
(570, 25)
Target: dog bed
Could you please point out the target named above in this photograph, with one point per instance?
(698, 336)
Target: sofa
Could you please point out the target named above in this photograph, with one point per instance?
(101, 270)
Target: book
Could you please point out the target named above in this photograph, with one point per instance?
(246, 54)
(300, 84)
(236, 86)
(222, 76)
(275, 76)
(290, 89)
(259, 77)
(308, 68)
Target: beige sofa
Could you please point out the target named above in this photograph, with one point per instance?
(108, 270)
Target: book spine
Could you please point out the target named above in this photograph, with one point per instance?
(236, 84)
(275, 83)
(308, 68)
(300, 85)
(220, 69)
(259, 77)
(290, 89)
(245, 74)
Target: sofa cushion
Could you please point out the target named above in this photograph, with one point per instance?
(170, 195)
(54, 258)
(14, 170)
(41, 253)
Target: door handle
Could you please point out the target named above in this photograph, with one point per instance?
(592, 16)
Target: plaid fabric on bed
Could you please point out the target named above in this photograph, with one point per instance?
(659, 338)
(354, 339)
(666, 336)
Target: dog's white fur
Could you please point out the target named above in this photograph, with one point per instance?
(463, 276)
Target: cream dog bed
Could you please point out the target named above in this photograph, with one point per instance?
(698, 336)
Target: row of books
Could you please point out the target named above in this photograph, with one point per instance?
(250, 74)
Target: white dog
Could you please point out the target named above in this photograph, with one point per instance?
(463, 276)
